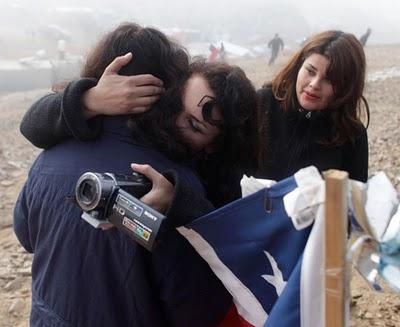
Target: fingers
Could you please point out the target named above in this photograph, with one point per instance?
(115, 66)
(161, 195)
(138, 110)
(142, 97)
(144, 102)
(147, 170)
(147, 79)
(120, 95)
(147, 90)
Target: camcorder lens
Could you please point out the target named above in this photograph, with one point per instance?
(87, 192)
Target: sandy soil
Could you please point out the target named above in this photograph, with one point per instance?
(16, 155)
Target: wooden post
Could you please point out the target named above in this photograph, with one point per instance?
(335, 247)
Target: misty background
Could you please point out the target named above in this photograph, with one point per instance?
(30, 31)
(244, 22)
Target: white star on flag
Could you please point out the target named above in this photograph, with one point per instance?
(276, 279)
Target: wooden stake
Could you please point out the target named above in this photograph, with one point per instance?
(335, 247)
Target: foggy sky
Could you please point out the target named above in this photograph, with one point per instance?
(290, 18)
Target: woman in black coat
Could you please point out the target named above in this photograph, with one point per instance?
(314, 109)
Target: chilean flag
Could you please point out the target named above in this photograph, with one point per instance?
(256, 246)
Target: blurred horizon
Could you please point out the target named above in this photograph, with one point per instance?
(250, 22)
(33, 32)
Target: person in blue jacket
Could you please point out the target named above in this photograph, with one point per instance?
(83, 276)
(220, 159)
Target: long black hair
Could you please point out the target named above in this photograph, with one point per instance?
(239, 143)
(239, 147)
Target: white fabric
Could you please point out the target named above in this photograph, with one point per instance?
(312, 282)
(242, 296)
(251, 185)
(382, 202)
(302, 203)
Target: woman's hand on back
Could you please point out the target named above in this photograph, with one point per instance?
(121, 95)
(161, 195)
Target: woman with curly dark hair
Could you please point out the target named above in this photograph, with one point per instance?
(211, 120)
(180, 123)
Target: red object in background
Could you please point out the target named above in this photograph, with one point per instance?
(214, 52)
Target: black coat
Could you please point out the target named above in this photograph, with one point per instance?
(293, 143)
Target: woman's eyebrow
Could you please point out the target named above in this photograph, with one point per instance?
(207, 97)
(315, 68)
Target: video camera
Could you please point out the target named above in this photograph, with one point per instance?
(107, 198)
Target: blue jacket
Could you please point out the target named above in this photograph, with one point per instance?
(86, 277)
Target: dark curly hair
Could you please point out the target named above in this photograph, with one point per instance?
(239, 142)
(239, 147)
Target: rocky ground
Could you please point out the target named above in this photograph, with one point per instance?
(16, 155)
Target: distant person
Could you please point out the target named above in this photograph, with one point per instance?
(214, 53)
(275, 45)
(364, 37)
(61, 47)
(222, 53)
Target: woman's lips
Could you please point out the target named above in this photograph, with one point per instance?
(310, 96)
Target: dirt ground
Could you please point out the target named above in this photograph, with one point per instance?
(16, 155)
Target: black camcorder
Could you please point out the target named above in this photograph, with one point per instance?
(113, 199)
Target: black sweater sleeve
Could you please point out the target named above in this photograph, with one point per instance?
(356, 158)
(186, 205)
(58, 116)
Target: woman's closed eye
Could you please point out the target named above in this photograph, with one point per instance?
(310, 71)
(194, 125)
